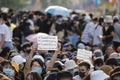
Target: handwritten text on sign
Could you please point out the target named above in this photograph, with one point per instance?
(84, 54)
(47, 42)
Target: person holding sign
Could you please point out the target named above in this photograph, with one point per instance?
(47, 42)
(37, 64)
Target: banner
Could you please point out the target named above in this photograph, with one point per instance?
(47, 42)
(84, 54)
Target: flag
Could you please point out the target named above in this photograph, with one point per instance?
(97, 2)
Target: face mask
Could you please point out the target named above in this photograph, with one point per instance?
(82, 74)
(87, 21)
(65, 59)
(97, 68)
(37, 69)
(8, 72)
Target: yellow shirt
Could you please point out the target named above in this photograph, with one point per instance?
(13, 26)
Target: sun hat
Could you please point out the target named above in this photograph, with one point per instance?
(98, 53)
(15, 65)
(70, 64)
(81, 46)
(115, 55)
(18, 59)
(108, 19)
(39, 57)
(98, 75)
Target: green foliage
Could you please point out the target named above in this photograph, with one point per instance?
(16, 4)
(65, 3)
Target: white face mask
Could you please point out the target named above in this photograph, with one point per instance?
(65, 59)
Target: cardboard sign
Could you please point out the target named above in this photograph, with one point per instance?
(84, 54)
(47, 42)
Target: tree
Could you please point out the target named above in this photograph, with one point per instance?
(15, 4)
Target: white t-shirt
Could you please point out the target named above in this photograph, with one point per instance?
(8, 32)
(88, 32)
(1, 31)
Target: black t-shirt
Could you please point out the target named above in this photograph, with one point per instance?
(25, 28)
(108, 32)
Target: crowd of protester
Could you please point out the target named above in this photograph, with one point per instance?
(20, 59)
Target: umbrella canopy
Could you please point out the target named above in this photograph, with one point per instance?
(33, 37)
(57, 10)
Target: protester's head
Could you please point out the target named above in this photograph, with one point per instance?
(115, 74)
(84, 69)
(5, 52)
(95, 20)
(67, 47)
(98, 54)
(59, 65)
(115, 55)
(108, 20)
(81, 46)
(4, 19)
(98, 75)
(31, 16)
(87, 18)
(118, 49)
(19, 60)
(26, 47)
(109, 50)
(64, 57)
(91, 15)
(37, 65)
(101, 21)
(9, 68)
(33, 76)
(112, 62)
(64, 75)
(70, 66)
(98, 63)
(115, 19)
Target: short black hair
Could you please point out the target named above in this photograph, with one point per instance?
(30, 16)
(63, 75)
(86, 64)
(35, 76)
(115, 73)
(4, 52)
(95, 19)
(39, 61)
(26, 44)
(112, 61)
(98, 62)
(6, 62)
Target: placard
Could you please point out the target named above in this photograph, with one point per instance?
(47, 42)
(84, 54)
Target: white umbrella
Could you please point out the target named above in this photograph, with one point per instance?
(57, 10)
